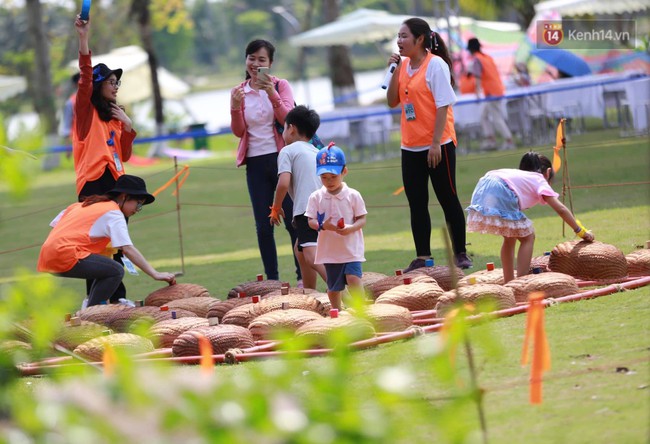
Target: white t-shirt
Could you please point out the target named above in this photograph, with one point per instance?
(299, 160)
(112, 224)
(333, 248)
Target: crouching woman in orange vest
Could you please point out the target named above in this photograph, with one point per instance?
(82, 231)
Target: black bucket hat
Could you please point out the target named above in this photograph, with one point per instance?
(102, 72)
(133, 186)
(473, 45)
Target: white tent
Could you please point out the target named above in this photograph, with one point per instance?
(11, 86)
(582, 7)
(370, 25)
(136, 80)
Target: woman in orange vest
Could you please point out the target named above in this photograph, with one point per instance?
(102, 139)
(423, 86)
(489, 85)
(82, 231)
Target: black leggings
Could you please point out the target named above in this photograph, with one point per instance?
(415, 175)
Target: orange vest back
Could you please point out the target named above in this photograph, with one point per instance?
(419, 132)
(490, 78)
(69, 241)
(93, 154)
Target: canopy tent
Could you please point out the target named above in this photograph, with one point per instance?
(583, 7)
(136, 80)
(11, 86)
(370, 25)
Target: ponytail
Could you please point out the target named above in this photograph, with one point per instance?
(439, 48)
(537, 163)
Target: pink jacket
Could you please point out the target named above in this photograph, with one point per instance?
(282, 104)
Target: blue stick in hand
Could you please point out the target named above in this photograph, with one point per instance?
(85, 10)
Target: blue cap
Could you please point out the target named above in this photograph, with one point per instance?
(330, 160)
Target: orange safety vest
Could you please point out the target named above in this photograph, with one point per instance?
(419, 132)
(93, 154)
(490, 78)
(69, 241)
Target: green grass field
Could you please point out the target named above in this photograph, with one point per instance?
(586, 400)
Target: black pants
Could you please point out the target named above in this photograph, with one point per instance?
(415, 176)
(104, 184)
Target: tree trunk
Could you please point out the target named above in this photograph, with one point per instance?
(40, 81)
(341, 73)
(140, 9)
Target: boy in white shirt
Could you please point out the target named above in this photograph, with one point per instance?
(338, 212)
(297, 176)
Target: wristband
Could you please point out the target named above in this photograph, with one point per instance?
(274, 212)
(581, 230)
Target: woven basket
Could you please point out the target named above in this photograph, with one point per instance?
(484, 277)
(198, 305)
(292, 290)
(540, 262)
(72, 336)
(589, 261)
(99, 314)
(165, 332)
(131, 318)
(222, 338)
(441, 274)
(14, 349)
(377, 288)
(93, 350)
(552, 284)
(415, 296)
(370, 277)
(388, 317)
(244, 314)
(219, 308)
(266, 325)
(253, 288)
(319, 333)
(503, 297)
(638, 263)
(324, 299)
(169, 293)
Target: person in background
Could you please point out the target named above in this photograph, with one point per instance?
(297, 176)
(489, 86)
(66, 124)
(338, 213)
(497, 204)
(102, 134)
(521, 76)
(255, 105)
(423, 86)
(82, 231)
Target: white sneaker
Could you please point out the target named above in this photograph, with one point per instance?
(84, 304)
(127, 302)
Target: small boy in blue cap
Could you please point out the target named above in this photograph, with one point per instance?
(338, 212)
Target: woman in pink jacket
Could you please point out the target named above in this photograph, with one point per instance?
(258, 107)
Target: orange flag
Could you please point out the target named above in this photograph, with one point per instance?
(109, 359)
(205, 348)
(559, 144)
(185, 171)
(541, 352)
(398, 191)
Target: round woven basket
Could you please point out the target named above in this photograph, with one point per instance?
(415, 296)
(324, 299)
(501, 296)
(638, 263)
(219, 308)
(484, 277)
(16, 349)
(346, 328)
(370, 277)
(165, 332)
(589, 261)
(539, 262)
(377, 288)
(388, 317)
(552, 284)
(291, 290)
(253, 288)
(243, 315)
(131, 318)
(72, 336)
(99, 314)
(222, 338)
(164, 295)
(442, 274)
(268, 324)
(198, 305)
(93, 350)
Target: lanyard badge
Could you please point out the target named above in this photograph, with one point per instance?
(409, 109)
(111, 142)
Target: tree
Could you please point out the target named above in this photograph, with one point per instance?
(341, 72)
(41, 79)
